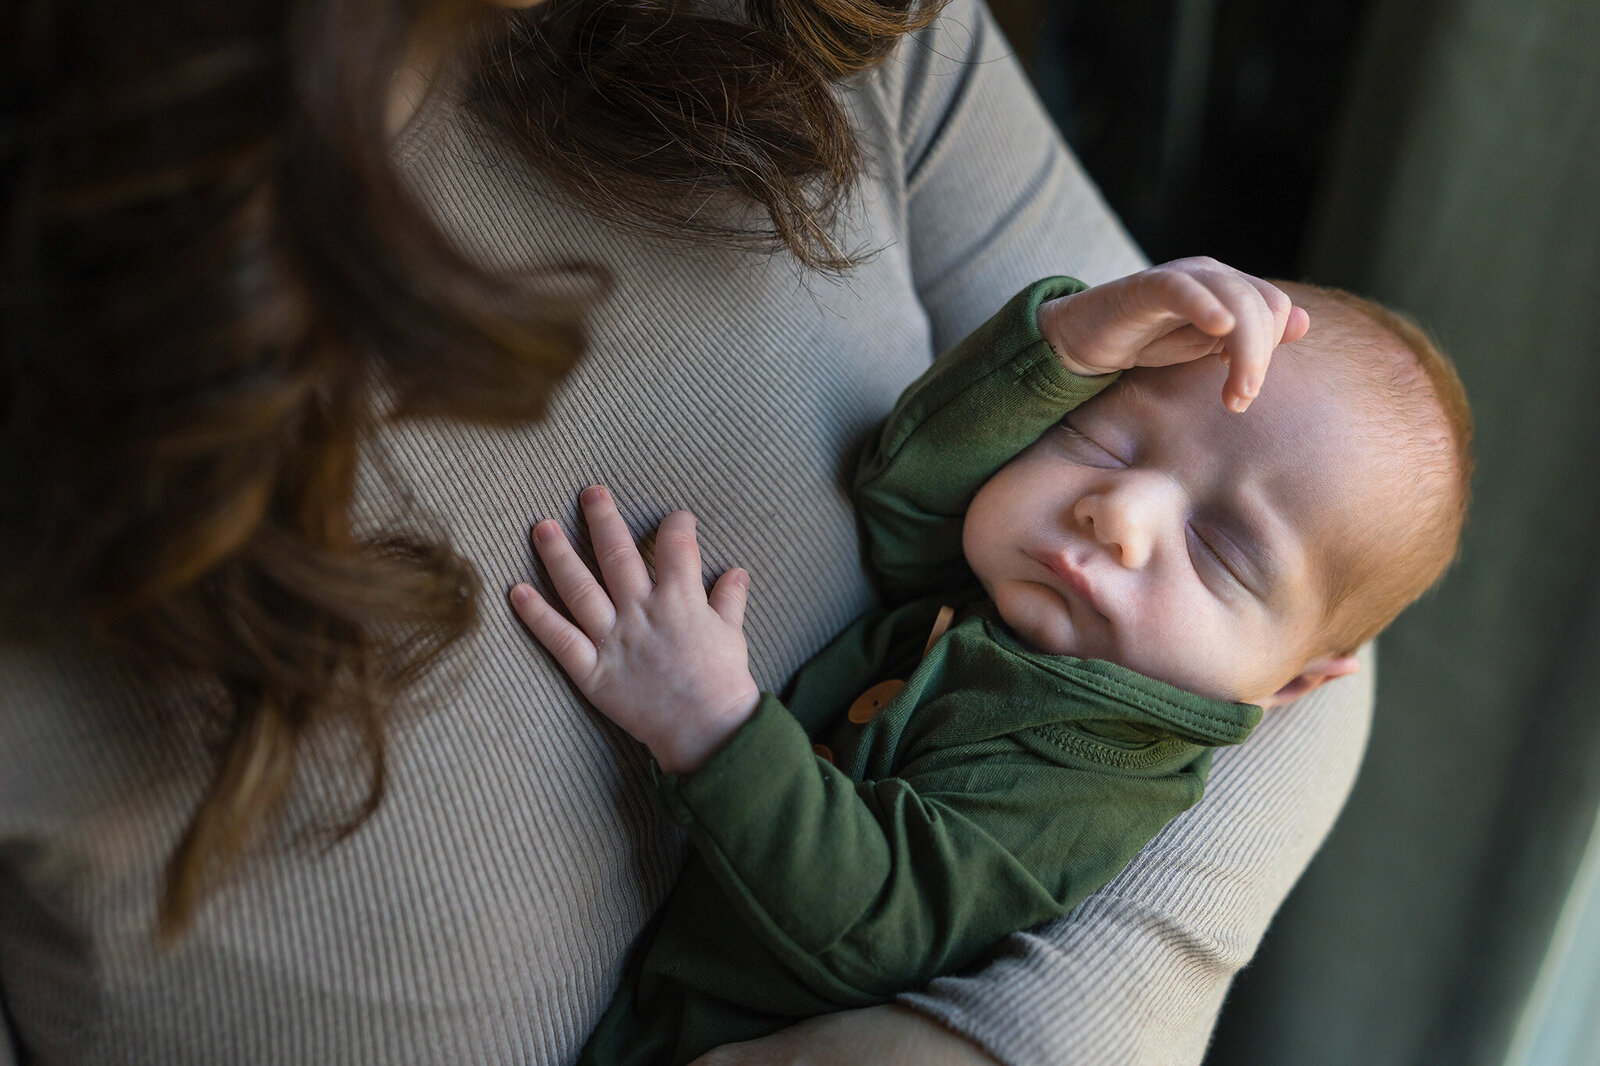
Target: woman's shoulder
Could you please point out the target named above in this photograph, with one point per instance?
(929, 69)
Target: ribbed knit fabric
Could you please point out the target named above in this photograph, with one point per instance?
(483, 913)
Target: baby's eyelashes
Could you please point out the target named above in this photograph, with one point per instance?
(1207, 554)
(1081, 448)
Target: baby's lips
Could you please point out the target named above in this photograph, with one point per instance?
(1072, 577)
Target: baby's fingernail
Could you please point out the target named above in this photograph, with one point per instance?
(1239, 403)
(547, 529)
(594, 494)
(521, 594)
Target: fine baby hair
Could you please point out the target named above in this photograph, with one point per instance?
(1408, 392)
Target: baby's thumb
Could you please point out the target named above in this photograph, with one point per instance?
(727, 596)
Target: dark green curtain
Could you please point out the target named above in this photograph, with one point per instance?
(1465, 188)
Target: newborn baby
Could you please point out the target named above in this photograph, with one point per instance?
(1087, 588)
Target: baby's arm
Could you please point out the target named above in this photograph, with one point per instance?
(663, 659)
(860, 890)
(1175, 313)
(979, 404)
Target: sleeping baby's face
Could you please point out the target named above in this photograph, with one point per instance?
(1156, 529)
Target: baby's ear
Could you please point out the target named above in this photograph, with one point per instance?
(1316, 673)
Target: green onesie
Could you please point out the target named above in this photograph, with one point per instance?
(998, 788)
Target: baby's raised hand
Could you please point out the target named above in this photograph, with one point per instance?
(1175, 313)
(662, 659)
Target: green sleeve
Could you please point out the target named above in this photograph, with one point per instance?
(977, 406)
(860, 891)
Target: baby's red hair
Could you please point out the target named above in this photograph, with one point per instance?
(1410, 393)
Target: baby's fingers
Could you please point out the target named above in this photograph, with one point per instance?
(1298, 326)
(1245, 375)
(620, 562)
(566, 642)
(678, 553)
(728, 596)
(1174, 292)
(1263, 312)
(591, 607)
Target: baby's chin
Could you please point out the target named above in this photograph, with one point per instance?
(1037, 616)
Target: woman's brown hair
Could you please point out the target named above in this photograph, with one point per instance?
(207, 261)
(651, 114)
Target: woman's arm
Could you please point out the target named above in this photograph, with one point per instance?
(883, 1036)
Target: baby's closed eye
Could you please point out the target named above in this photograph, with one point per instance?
(1080, 448)
(1209, 550)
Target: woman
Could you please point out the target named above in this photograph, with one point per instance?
(284, 781)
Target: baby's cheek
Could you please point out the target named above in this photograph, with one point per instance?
(983, 545)
(1181, 649)
(1038, 617)
(972, 540)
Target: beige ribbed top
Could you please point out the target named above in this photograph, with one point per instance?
(483, 913)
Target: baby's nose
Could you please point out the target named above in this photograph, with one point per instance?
(1127, 519)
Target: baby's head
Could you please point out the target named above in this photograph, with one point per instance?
(1240, 556)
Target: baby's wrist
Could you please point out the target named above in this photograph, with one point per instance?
(690, 743)
(1054, 326)
(1072, 366)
